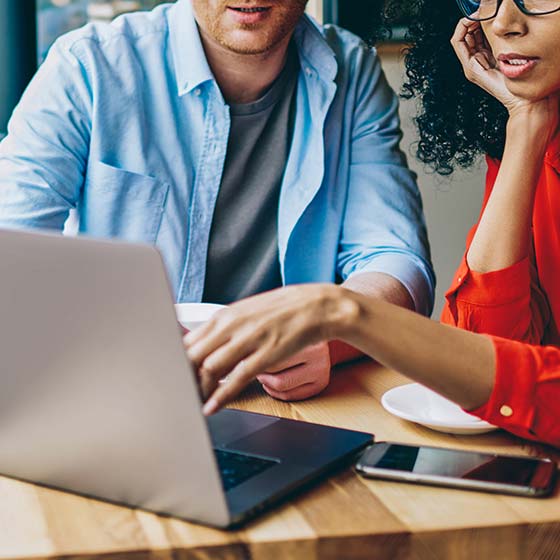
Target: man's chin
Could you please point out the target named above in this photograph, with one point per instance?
(243, 43)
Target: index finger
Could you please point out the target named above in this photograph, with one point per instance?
(241, 375)
(458, 40)
(201, 342)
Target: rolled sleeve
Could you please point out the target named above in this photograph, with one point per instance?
(506, 302)
(526, 390)
(500, 287)
(412, 272)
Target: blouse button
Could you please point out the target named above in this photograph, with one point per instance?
(506, 411)
(460, 279)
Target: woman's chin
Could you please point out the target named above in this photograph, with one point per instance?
(530, 91)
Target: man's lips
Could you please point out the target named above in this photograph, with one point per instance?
(513, 65)
(249, 9)
(249, 14)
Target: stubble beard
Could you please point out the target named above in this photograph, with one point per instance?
(269, 39)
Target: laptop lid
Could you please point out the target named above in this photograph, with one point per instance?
(96, 393)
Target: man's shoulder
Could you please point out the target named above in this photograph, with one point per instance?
(128, 29)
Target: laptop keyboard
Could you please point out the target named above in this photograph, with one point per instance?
(236, 468)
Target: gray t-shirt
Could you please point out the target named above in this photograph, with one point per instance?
(243, 248)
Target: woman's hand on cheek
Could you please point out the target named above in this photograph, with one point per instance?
(479, 64)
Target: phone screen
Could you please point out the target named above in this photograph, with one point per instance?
(454, 464)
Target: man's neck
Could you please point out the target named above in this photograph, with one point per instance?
(244, 78)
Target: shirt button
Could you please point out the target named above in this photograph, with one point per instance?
(197, 92)
(308, 71)
(506, 411)
(460, 279)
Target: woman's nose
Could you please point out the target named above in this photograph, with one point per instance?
(509, 20)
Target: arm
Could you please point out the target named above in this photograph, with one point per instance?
(384, 250)
(43, 158)
(511, 384)
(307, 372)
(383, 228)
(503, 236)
(508, 303)
(252, 334)
(375, 285)
(496, 288)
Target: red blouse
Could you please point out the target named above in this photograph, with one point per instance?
(520, 308)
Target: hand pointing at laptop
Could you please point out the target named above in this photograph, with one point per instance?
(252, 335)
(264, 333)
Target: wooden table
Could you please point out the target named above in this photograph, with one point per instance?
(345, 517)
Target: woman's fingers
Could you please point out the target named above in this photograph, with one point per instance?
(471, 42)
(223, 360)
(219, 319)
(204, 340)
(480, 43)
(293, 361)
(471, 49)
(241, 375)
(478, 62)
(462, 36)
(482, 59)
(248, 337)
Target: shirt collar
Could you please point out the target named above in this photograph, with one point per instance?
(314, 51)
(192, 68)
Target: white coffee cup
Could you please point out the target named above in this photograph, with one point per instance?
(193, 315)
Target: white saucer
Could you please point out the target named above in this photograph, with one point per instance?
(417, 403)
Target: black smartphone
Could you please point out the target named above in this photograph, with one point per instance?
(508, 474)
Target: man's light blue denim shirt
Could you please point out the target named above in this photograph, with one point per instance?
(126, 123)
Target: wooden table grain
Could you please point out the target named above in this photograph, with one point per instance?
(344, 517)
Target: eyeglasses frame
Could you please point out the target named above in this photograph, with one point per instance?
(518, 3)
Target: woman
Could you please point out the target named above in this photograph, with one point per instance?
(501, 98)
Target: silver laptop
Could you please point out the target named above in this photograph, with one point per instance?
(97, 396)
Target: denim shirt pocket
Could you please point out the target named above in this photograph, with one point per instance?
(122, 204)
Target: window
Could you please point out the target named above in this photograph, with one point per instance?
(56, 17)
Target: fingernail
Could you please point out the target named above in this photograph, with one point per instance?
(210, 407)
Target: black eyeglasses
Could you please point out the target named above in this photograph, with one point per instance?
(482, 10)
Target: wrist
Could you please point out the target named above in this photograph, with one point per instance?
(525, 146)
(341, 310)
(529, 126)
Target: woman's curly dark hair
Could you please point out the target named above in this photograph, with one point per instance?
(457, 120)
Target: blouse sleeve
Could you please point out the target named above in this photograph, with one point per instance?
(507, 303)
(526, 391)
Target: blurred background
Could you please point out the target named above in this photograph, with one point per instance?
(55, 17)
(29, 27)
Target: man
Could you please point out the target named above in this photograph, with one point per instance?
(253, 147)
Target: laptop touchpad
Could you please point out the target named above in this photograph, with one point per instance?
(230, 425)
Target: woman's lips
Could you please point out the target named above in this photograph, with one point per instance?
(249, 15)
(515, 66)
